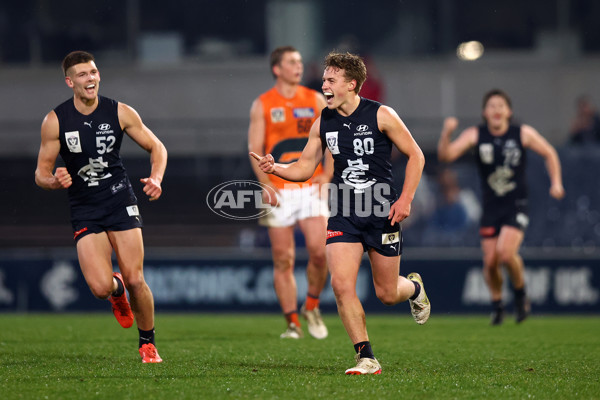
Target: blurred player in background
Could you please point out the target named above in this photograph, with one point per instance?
(360, 134)
(501, 158)
(280, 120)
(87, 131)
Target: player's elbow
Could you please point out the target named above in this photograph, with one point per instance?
(38, 180)
(444, 156)
(419, 158)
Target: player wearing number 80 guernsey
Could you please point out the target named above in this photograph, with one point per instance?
(362, 177)
(359, 134)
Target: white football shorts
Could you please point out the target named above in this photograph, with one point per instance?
(295, 205)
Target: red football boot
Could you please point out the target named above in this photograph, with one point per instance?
(149, 354)
(121, 307)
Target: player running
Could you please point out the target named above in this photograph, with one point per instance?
(360, 134)
(87, 131)
(501, 159)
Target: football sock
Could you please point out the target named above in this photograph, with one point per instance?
(497, 305)
(417, 290)
(292, 317)
(146, 337)
(364, 349)
(520, 293)
(119, 290)
(312, 302)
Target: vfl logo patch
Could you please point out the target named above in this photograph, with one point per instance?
(133, 211)
(332, 142)
(73, 141)
(278, 114)
(486, 153)
(390, 238)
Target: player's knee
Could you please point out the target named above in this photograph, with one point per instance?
(505, 257)
(387, 297)
(319, 259)
(133, 282)
(101, 290)
(283, 262)
(341, 288)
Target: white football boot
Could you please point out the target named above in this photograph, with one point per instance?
(292, 332)
(419, 307)
(316, 326)
(365, 366)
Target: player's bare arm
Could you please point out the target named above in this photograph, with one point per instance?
(533, 140)
(327, 174)
(302, 169)
(256, 144)
(390, 123)
(49, 150)
(448, 150)
(132, 124)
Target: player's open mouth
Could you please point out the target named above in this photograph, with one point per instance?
(92, 86)
(328, 95)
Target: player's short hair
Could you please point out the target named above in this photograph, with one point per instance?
(277, 55)
(352, 64)
(496, 92)
(76, 57)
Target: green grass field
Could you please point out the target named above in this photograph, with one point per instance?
(74, 356)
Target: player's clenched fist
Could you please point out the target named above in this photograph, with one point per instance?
(63, 178)
(266, 163)
(450, 125)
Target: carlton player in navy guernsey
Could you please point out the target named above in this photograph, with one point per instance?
(87, 131)
(366, 211)
(501, 157)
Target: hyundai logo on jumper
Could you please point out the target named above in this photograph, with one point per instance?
(241, 200)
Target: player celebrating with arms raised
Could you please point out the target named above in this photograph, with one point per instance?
(87, 131)
(360, 133)
(501, 158)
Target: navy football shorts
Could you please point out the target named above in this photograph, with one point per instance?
(119, 213)
(373, 232)
(492, 222)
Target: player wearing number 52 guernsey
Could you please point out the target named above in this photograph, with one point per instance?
(500, 153)
(87, 131)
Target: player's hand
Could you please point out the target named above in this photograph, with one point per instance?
(152, 188)
(266, 163)
(557, 191)
(450, 125)
(63, 178)
(399, 211)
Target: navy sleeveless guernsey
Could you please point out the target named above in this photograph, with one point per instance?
(90, 146)
(362, 158)
(501, 161)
